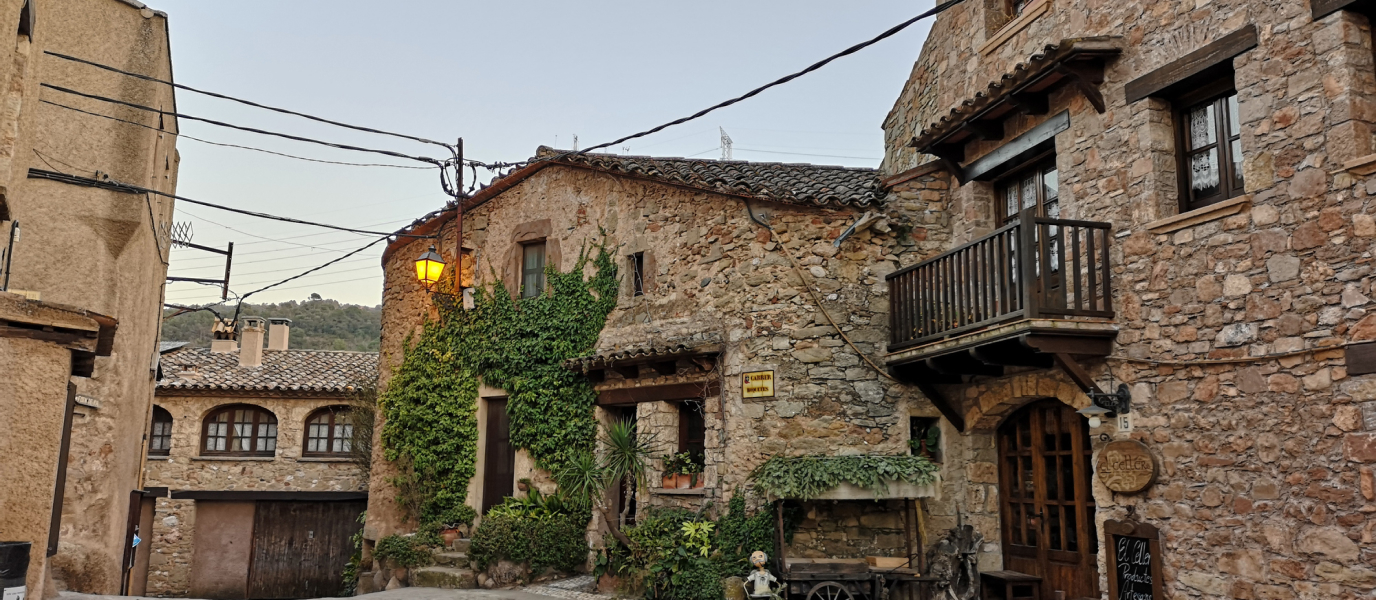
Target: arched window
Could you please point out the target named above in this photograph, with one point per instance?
(240, 430)
(160, 435)
(328, 431)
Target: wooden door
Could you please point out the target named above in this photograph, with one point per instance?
(300, 548)
(499, 460)
(1047, 510)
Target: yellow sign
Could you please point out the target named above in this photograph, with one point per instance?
(759, 384)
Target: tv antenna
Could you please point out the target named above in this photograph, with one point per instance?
(725, 144)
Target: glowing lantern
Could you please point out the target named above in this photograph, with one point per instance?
(429, 267)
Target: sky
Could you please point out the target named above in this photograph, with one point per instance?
(507, 77)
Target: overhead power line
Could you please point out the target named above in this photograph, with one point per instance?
(804, 154)
(115, 185)
(248, 102)
(240, 127)
(185, 136)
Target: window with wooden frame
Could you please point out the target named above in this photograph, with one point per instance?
(638, 274)
(160, 433)
(329, 431)
(239, 430)
(1209, 140)
(1034, 187)
(532, 269)
(692, 431)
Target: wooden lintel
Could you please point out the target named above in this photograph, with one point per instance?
(1077, 373)
(266, 495)
(694, 390)
(1031, 103)
(76, 340)
(952, 152)
(938, 400)
(628, 371)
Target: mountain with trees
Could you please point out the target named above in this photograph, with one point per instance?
(316, 324)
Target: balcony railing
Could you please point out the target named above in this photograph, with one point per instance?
(1034, 267)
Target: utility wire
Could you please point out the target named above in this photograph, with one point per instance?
(804, 154)
(125, 187)
(240, 127)
(938, 9)
(303, 274)
(183, 135)
(248, 102)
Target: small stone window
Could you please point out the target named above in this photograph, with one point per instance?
(1210, 149)
(329, 431)
(239, 430)
(638, 274)
(692, 431)
(532, 269)
(160, 434)
(924, 437)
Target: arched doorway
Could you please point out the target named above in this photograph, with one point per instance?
(1046, 506)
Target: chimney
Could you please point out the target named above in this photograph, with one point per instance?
(222, 338)
(251, 351)
(279, 332)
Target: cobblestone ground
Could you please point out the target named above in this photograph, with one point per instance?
(410, 593)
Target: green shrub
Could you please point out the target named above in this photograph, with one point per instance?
(403, 551)
(550, 540)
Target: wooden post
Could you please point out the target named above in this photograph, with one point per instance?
(779, 533)
(921, 537)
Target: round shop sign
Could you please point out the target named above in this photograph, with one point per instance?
(1126, 466)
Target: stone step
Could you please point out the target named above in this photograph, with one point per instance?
(447, 578)
(461, 545)
(451, 559)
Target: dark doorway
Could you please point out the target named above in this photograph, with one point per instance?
(300, 548)
(499, 461)
(1044, 490)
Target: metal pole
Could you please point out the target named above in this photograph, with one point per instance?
(9, 255)
(229, 257)
(458, 216)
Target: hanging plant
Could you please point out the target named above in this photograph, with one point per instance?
(807, 477)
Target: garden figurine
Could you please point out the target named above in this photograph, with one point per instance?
(761, 578)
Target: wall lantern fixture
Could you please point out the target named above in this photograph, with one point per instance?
(429, 267)
(1117, 403)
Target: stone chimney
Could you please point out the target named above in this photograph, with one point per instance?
(251, 351)
(222, 338)
(279, 331)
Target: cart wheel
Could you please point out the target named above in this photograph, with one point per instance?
(829, 590)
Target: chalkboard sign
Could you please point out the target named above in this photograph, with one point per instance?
(1134, 561)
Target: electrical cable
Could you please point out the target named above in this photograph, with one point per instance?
(182, 135)
(248, 102)
(803, 154)
(303, 274)
(242, 128)
(115, 185)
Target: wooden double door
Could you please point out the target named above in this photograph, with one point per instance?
(1047, 507)
(300, 548)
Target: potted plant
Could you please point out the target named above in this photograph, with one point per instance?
(669, 477)
(691, 469)
(925, 443)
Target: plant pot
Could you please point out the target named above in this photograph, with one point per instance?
(449, 535)
(698, 480)
(669, 482)
(684, 481)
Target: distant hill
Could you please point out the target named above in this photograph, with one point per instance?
(316, 324)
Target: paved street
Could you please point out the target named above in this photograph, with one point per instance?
(413, 593)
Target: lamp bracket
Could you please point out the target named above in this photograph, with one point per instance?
(1117, 402)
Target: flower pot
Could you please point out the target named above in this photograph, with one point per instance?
(669, 482)
(684, 481)
(449, 535)
(698, 480)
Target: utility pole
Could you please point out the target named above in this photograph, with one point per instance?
(458, 212)
(725, 144)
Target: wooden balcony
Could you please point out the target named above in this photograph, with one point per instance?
(1034, 268)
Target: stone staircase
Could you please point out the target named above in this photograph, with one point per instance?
(451, 571)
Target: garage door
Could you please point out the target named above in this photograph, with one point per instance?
(300, 548)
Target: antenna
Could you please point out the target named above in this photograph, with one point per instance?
(725, 145)
(575, 142)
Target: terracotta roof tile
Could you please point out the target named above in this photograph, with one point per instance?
(282, 370)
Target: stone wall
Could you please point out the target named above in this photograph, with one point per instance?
(1266, 487)
(720, 279)
(184, 468)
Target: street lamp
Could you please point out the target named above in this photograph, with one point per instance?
(1119, 402)
(429, 267)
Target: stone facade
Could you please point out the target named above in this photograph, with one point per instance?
(715, 278)
(97, 249)
(1264, 490)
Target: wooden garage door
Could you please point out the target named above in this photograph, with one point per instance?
(1044, 490)
(300, 548)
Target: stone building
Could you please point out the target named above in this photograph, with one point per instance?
(69, 243)
(1175, 196)
(249, 462)
(707, 293)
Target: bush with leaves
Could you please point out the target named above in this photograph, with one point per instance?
(403, 551)
(807, 477)
(544, 531)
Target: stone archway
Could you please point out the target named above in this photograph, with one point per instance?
(988, 403)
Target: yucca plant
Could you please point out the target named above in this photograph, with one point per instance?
(626, 453)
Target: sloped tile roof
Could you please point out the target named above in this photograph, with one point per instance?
(317, 371)
(639, 355)
(794, 183)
